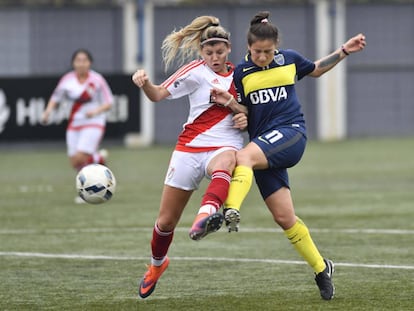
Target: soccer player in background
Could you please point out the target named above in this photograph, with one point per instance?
(265, 83)
(91, 97)
(207, 145)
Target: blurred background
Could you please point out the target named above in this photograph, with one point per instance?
(368, 95)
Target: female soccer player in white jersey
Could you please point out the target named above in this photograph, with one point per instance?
(207, 143)
(265, 83)
(90, 96)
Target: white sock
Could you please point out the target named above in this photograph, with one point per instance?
(96, 157)
(157, 262)
(208, 208)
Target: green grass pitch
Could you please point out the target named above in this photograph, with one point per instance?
(356, 197)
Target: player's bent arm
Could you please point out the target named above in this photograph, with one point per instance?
(224, 98)
(327, 63)
(236, 107)
(354, 44)
(154, 92)
(102, 108)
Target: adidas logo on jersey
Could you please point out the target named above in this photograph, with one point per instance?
(267, 95)
(215, 81)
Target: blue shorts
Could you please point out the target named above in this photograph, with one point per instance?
(283, 148)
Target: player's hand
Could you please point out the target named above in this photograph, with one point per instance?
(355, 44)
(219, 97)
(226, 99)
(45, 117)
(240, 121)
(140, 77)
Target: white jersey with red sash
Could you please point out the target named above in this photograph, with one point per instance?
(84, 97)
(208, 126)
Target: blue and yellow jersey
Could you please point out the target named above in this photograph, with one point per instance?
(269, 92)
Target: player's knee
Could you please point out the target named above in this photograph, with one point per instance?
(227, 162)
(243, 157)
(166, 225)
(285, 221)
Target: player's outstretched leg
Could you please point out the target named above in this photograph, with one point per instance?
(150, 279)
(301, 240)
(324, 280)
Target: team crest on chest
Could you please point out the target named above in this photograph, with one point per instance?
(279, 59)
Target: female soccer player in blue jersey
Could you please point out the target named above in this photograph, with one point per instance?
(265, 82)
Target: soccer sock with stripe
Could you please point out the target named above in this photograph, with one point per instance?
(161, 241)
(216, 192)
(300, 238)
(239, 187)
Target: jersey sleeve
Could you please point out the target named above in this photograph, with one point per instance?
(183, 82)
(59, 92)
(106, 93)
(304, 66)
(237, 81)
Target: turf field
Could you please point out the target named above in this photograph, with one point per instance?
(356, 196)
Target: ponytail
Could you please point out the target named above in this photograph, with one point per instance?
(186, 43)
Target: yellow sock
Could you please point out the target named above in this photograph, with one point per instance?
(300, 238)
(239, 187)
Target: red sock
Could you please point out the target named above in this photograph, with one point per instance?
(160, 242)
(218, 189)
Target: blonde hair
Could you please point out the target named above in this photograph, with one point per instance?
(186, 43)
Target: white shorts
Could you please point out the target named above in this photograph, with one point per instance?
(85, 140)
(186, 169)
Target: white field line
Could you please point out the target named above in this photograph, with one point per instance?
(215, 259)
(182, 229)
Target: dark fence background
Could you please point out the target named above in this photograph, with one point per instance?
(23, 100)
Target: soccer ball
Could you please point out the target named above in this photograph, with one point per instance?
(95, 183)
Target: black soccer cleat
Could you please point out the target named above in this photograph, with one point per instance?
(324, 280)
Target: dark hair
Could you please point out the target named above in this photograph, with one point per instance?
(262, 29)
(82, 51)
